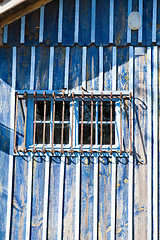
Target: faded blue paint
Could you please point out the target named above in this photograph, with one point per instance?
(14, 30)
(6, 65)
(134, 37)
(75, 70)
(104, 210)
(68, 22)
(158, 24)
(147, 23)
(32, 28)
(51, 23)
(92, 68)
(41, 67)
(23, 67)
(107, 68)
(53, 197)
(122, 69)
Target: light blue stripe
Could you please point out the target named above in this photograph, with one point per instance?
(66, 76)
(141, 28)
(60, 20)
(128, 29)
(111, 21)
(32, 68)
(84, 56)
(51, 62)
(100, 68)
(41, 27)
(93, 20)
(114, 68)
(154, 21)
(76, 28)
(5, 34)
(22, 40)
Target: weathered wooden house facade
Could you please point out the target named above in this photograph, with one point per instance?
(79, 105)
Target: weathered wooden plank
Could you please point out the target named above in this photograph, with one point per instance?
(140, 141)
(86, 220)
(113, 197)
(41, 24)
(92, 68)
(123, 68)
(22, 35)
(120, 30)
(53, 198)
(84, 22)
(140, 30)
(6, 64)
(19, 198)
(59, 67)
(104, 213)
(41, 67)
(51, 23)
(32, 28)
(23, 67)
(122, 199)
(107, 68)
(69, 200)
(147, 20)
(14, 30)
(37, 197)
(75, 70)
(102, 22)
(68, 22)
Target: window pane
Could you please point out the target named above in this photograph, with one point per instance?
(87, 111)
(57, 134)
(58, 115)
(40, 110)
(106, 111)
(87, 134)
(39, 133)
(106, 134)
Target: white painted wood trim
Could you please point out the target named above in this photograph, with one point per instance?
(76, 26)
(84, 58)
(5, 34)
(29, 195)
(61, 189)
(66, 75)
(32, 74)
(130, 178)
(149, 144)
(41, 25)
(113, 198)
(114, 68)
(155, 143)
(93, 20)
(100, 68)
(60, 20)
(22, 38)
(128, 29)
(77, 200)
(154, 21)
(140, 30)
(51, 63)
(45, 205)
(11, 158)
(111, 17)
(95, 204)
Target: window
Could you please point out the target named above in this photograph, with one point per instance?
(72, 123)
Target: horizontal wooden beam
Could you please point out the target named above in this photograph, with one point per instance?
(20, 10)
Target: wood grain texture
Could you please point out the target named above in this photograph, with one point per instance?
(140, 141)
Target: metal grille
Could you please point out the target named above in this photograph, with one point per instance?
(72, 97)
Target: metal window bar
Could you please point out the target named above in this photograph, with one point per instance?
(15, 127)
(72, 123)
(54, 107)
(82, 123)
(44, 122)
(74, 96)
(25, 122)
(62, 130)
(34, 127)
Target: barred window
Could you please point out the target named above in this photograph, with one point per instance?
(60, 122)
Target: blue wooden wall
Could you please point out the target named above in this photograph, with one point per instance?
(27, 65)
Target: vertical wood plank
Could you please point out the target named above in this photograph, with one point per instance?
(100, 68)
(60, 20)
(93, 20)
(113, 198)
(66, 74)
(76, 27)
(154, 20)
(149, 143)
(22, 37)
(95, 204)
(41, 25)
(141, 13)
(84, 59)
(51, 64)
(32, 68)
(77, 200)
(111, 18)
(10, 172)
(128, 29)
(155, 143)
(5, 34)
